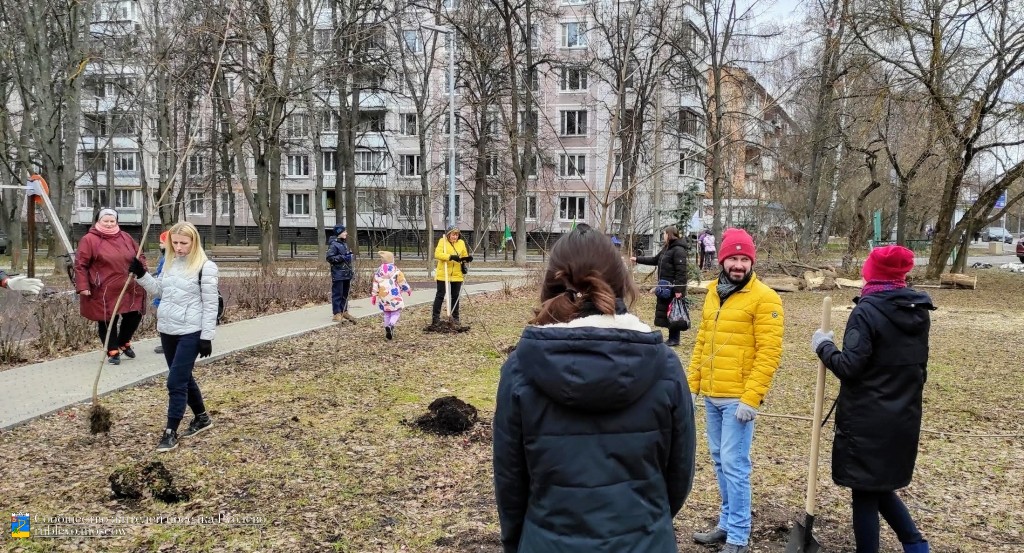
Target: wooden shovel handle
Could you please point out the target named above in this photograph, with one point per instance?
(819, 400)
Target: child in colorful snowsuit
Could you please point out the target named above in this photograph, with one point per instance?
(388, 285)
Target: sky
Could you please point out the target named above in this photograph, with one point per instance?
(781, 9)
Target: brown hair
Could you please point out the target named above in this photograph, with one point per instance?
(583, 266)
(673, 234)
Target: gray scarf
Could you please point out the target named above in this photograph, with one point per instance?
(726, 287)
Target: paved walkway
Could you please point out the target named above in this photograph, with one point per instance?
(39, 389)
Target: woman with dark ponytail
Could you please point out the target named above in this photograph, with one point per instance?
(672, 273)
(601, 402)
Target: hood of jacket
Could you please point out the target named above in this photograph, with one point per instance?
(906, 308)
(593, 363)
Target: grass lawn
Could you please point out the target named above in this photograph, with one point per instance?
(311, 438)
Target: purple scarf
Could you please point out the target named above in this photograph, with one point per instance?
(876, 286)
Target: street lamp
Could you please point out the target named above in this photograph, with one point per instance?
(451, 119)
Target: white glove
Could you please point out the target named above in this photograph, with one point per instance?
(745, 413)
(24, 284)
(820, 337)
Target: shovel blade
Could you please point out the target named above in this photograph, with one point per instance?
(801, 540)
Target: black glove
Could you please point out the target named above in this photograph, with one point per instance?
(137, 268)
(468, 258)
(455, 257)
(205, 348)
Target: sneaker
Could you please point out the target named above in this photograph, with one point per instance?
(349, 318)
(114, 357)
(169, 440)
(671, 343)
(733, 548)
(198, 424)
(715, 536)
(337, 318)
(127, 350)
(388, 333)
(158, 349)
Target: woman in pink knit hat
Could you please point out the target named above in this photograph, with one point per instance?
(882, 369)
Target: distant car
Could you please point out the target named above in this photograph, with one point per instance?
(998, 234)
(1020, 248)
(3, 243)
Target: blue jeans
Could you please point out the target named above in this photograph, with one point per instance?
(181, 353)
(339, 295)
(729, 441)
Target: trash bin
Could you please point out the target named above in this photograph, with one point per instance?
(995, 247)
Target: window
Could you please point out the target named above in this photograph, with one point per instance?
(491, 165)
(371, 200)
(458, 206)
(458, 165)
(531, 166)
(411, 84)
(330, 199)
(94, 124)
(125, 161)
(574, 35)
(491, 122)
(94, 161)
(410, 205)
(410, 165)
(298, 165)
(458, 75)
(573, 79)
(531, 80)
(531, 208)
(322, 40)
(534, 36)
(448, 124)
(225, 202)
(618, 165)
(413, 44)
(196, 203)
(408, 124)
(298, 204)
(195, 165)
(572, 208)
(494, 205)
(329, 161)
(692, 39)
(123, 124)
(371, 121)
(572, 165)
(690, 164)
(573, 122)
(688, 81)
(124, 198)
(329, 121)
(690, 123)
(87, 198)
(533, 121)
(618, 209)
(297, 125)
(368, 161)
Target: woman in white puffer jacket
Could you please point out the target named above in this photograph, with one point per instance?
(187, 321)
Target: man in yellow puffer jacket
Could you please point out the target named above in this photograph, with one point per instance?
(739, 346)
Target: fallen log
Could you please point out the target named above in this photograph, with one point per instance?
(783, 284)
(847, 283)
(957, 280)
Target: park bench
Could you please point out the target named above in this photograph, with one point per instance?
(234, 253)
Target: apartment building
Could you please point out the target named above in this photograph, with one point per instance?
(575, 178)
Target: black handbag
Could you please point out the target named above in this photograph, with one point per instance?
(678, 314)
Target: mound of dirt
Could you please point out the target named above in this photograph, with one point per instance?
(446, 327)
(132, 482)
(447, 415)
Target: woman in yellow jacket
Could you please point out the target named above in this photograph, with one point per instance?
(738, 349)
(450, 254)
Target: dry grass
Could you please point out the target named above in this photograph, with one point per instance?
(309, 435)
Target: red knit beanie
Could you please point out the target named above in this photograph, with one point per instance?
(736, 241)
(889, 263)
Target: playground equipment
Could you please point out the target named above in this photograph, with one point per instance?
(38, 192)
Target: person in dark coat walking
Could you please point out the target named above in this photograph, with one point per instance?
(340, 258)
(882, 369)
(671, 263)
(102, 255)
(593, 428)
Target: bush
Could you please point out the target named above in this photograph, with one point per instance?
(263, 293)
(61, 326)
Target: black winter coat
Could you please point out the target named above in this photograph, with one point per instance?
(340, 258)
(882, 369)
(671, 263)
(593, 439)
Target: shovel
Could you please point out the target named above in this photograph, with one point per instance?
(801, 538)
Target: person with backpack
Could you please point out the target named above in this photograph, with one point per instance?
(672, 277)
(187, 323)
(340, 258)
(594, 434)
(882, 369)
